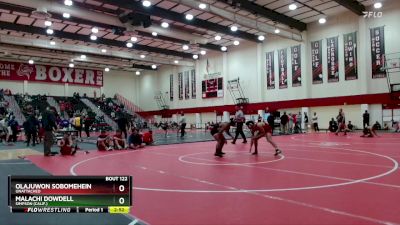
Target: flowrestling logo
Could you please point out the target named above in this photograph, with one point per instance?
(373, 15)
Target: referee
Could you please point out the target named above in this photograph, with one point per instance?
(240, 119)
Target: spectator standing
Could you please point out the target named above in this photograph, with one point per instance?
(315, 122)
(31, 129)
(270, 118)
(122, 123)
(284, 123)
(365, 119)
(290, 130)
(77, 122)
(300, 122)
(13, 124)
(183, 124)
(305, 122)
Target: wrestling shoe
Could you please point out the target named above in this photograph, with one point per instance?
(277, 152)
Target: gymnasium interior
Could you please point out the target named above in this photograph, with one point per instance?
(213, 112)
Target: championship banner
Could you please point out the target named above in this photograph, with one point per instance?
(350, 56)
(282, 57)
(296, 66)
(50, 74)
(180, 85)
(378, 52)
(270, 70)
(333, 59)
(316, 59)
(171, 87)
(187, 91)
(193, 79)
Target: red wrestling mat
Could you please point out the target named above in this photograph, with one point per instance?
(319, 179)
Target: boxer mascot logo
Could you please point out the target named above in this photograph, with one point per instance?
(25, 71)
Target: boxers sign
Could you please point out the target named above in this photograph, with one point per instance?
(50, 74)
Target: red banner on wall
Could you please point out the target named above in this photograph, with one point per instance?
(50, 74)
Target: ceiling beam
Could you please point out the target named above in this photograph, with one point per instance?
(143, 67)
(179, 17)
(85, 38)
(268, 13)
(353, 5)
(28, 10)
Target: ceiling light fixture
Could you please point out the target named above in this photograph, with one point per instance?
(154, 67)
(224, 48)
(31, 61)
(95, 30)
(71, 65)
(129, 45)
(277, 31)
(47, 23)
(137, 73)
(234, 28)
(203, 52)
(134, 39)
(378, 5)
(142, 56)
(68, 2)
(261, 38)
(322, 20)
(52, 43)
(176, 61)
(83, 56)
(154, 34)
(106, 69)
(104, 50)
(165, 24)
(195, 56)
(66, 15)
(189, 16)
(146, 3)
(185, 47)
(293, 6)
(217, 37)
(93, 37)
(50, 31)
(236, 43)
(202, 6)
